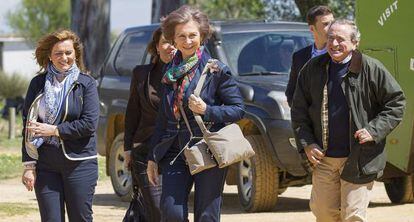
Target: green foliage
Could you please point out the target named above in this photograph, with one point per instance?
(12, 86)
(102, 168)
(10, 166)
(34, 19)
(342, 9)
(232, 9)
(13, 209)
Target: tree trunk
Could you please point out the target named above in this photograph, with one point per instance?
(162, 8)
(90, 20)
(305, 5)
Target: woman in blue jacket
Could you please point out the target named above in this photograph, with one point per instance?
(220, 102)
(60, 118)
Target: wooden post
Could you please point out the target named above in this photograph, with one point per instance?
(12, 122)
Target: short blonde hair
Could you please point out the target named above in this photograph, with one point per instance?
(46, 43)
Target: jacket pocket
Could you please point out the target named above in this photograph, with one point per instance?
(372, 158)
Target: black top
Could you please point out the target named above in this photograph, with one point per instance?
(299, 59)
(338, 112)
(143, 104)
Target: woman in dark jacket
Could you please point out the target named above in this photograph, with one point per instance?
(140, 117)
(220, 102)
(60, 118)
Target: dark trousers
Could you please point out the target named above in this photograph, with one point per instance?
(151, 194)
(60, 181)
(177, 183)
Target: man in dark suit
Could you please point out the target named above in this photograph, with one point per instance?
(318, 18)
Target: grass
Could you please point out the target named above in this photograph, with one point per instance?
(13, 209)
(10, 166)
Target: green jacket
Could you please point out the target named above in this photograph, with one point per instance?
(375, 100)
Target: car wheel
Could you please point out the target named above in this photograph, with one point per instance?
(258, 179)
(400, 189)
(120, 176)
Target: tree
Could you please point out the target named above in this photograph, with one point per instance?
(281, 10)
(90, 20)
(161, 8)
(232, 9)
(342, 9)
(33, 19)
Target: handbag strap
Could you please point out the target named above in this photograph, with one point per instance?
(197, 93)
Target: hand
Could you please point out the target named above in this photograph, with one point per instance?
(152, 172)
(197, 105)
(363, 136)
(314, 154)
(127, 160)
(41, 129)
(29, 178)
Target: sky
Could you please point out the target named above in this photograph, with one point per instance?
(124, 13)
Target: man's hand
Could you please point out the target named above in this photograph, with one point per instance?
(363, 136)
(29, 178)
(152, 172)
(314, 154)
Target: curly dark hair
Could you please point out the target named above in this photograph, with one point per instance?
(152, 45)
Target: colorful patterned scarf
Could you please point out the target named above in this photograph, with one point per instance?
(180, 73)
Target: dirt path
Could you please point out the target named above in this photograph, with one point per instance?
(292, 205)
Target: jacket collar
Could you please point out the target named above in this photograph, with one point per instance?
(356, 61)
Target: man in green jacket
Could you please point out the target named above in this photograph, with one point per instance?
(344, 106)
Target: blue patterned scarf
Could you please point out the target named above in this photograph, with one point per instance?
(54, 100)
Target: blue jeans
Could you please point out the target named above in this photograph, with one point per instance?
(60, 181)
(177, 183)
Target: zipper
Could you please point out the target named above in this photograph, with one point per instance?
(26, 131)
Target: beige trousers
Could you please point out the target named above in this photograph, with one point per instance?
(335, 200)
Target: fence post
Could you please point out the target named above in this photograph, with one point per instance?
(12, 122)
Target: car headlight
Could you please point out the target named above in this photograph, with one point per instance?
(281, 100)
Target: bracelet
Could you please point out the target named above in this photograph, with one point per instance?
(30, 166)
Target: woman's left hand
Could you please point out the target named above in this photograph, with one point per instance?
(42, 129)
(197, 105)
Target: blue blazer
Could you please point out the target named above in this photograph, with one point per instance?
(77, 121)
(224, 105)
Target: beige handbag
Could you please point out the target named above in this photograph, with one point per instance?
(228, 145)
(197, 156)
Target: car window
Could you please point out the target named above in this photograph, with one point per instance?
(131, 52)
(267, 51)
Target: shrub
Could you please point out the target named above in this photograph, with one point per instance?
(12, 86)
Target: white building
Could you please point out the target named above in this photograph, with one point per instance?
(17, 57)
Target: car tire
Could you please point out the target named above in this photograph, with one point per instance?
(258, 179)
(400, 189)
(120, 176)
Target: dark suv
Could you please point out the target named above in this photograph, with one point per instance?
(259, 55)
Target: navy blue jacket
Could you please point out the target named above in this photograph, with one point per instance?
(77, 121)
(224, 104)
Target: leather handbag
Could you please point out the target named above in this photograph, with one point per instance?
(198, 156)
(228, 145)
